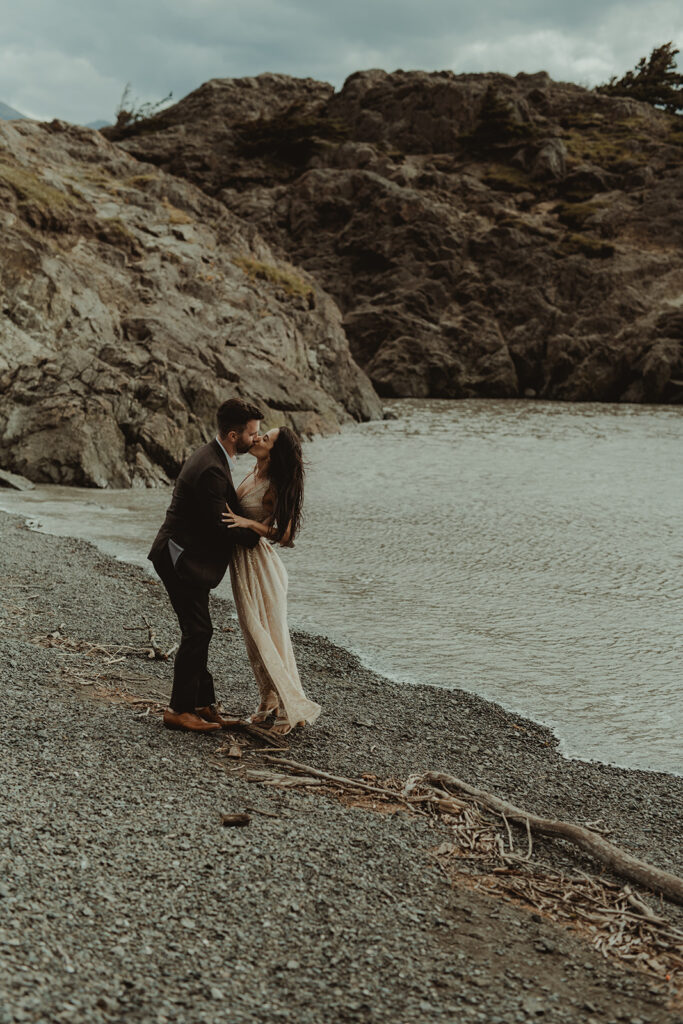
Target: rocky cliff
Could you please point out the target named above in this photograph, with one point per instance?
(132, 304)
(483, 235)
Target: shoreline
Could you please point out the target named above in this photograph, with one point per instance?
(365, 659)
(558, 625)
(338, 657)
(131, 813)
(365, 662)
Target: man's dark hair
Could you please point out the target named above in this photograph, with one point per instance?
(234, 415)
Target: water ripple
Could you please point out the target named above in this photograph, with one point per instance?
(528, 551)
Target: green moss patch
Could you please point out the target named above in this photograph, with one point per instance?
(507, 179)
(606, 143)
(575, 215)
(40, 204)
(285, 279)
(593, 248)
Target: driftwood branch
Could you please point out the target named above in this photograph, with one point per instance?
(616, 920)
(113, 653)
(618, 860)
(339, 780)
(156, 652)
(278, 742)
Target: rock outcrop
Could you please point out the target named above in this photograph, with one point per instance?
(483, 235)
(132, 304)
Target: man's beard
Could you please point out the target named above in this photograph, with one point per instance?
(242, 446)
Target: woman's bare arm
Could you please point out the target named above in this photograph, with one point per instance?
(235, 522)
(265, 529)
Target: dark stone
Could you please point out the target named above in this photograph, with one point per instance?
(483, 235)
(125, 327)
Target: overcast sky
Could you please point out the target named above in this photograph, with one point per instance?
(72, 58)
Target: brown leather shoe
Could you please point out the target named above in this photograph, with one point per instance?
(212, 714)
(186, 720)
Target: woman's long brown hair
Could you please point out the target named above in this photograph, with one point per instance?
(286, 475)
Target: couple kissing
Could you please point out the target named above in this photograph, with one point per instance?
(211, 526)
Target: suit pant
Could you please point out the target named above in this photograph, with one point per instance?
(192, 681)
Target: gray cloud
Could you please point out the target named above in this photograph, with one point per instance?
(72, 58)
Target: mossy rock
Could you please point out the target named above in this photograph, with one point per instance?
(290, 283)
(579, 193)
(608, 144)
(676, 129)
(114, 232)
(40, 204)
(583, 119)
(176, 215)
(575, 215)
(593, 248)
(505, 178)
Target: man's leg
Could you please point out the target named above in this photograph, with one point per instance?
(192, 682)
(206, 694)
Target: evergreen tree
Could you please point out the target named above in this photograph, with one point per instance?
(655, 80)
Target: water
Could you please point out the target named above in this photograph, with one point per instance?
(531, 552)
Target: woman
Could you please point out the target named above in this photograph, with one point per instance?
(271, 496)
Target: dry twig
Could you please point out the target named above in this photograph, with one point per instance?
(110, 652)
(339, 780)
(618, 860)
(235, 819)
(616, 920)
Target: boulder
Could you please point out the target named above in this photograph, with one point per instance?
(133, 304)
(15, 482)
(481, 234)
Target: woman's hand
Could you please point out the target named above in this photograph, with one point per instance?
(232, 521)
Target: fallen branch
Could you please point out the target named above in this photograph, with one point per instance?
(260, 810)
(156, 651)
(268, 778)
(618, 860)
(616, 920)
(112, 653)
(263, 734)
(339, 780)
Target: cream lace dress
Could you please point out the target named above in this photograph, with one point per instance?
(259, 586)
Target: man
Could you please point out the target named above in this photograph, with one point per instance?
(191, 553)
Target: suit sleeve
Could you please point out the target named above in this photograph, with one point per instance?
(219, 490)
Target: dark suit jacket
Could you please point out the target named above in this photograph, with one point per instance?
(193, 519)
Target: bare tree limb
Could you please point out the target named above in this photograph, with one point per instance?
(340, 780)
(618, 860)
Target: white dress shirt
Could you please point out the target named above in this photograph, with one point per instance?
(232, 464)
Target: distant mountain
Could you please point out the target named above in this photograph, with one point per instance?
(10, 114)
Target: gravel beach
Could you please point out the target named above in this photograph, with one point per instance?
(122, 897)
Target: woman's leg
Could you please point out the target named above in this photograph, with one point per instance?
(270, 702)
